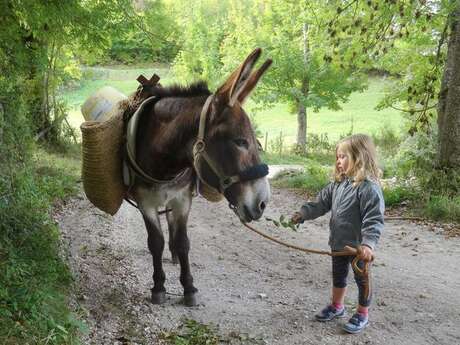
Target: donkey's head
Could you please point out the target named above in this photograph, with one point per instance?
(227, 152)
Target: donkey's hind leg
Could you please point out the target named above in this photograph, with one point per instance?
(156, 245)
(172, 249)
(177, 223)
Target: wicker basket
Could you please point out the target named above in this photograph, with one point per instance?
(210, 193)
(102, 162)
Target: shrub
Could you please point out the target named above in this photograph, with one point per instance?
(313, 179)
(33, 277)
(319, 143)
(387, 140)
(443, 207)
(415, 155)
(396, 195)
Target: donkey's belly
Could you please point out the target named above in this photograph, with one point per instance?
(162, 195)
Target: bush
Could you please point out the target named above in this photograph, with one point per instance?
(387, 140)
(396, 195)
(443, 207)
(33, 277)
(415, 156)
(319, 143)
(313, 179)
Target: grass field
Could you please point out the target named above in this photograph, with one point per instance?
(357, 115)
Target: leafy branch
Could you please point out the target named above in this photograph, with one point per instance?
(284, 222)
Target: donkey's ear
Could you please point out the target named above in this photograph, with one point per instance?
(238, 78)
(251, 82)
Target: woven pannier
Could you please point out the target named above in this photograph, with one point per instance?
(210, 193)
(102, 162)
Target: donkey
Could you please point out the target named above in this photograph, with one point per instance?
(189, 136)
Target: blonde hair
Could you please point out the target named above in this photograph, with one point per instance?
(362, 158)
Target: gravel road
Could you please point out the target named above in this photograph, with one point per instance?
(253, 291)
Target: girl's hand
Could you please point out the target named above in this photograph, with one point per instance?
(366, 254)
(296, 218)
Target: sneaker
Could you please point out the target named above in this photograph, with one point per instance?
(356, 323)
(329, 313)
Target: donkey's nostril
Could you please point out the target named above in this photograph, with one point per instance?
(262, 206)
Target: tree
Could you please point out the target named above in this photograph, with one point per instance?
(148, 34)
(302, 75)
(216, 38)
(38, 47)
(203, 25)
(410, 40)
(449, 99)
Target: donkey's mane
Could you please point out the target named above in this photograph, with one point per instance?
(195, 89)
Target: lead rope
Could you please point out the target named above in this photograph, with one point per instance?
(349, 251)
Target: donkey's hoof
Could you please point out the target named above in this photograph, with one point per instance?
(158, 297)
(190, 299)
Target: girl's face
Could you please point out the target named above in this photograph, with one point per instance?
(342, 161)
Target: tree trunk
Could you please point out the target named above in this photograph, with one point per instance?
(302, 128)
(449, 101)
(302, 112)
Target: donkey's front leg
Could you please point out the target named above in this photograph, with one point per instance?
(156, 244)
(177, 223)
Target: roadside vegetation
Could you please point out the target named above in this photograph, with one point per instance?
(34, 281)
(407, 179)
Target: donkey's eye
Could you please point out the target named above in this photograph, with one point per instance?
(241, 143)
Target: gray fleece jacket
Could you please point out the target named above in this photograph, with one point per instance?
(356, 213)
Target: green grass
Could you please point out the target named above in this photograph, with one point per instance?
(358, 113)
(34, 281)
(326, 159)
(192, 332)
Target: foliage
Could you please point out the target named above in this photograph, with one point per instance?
(203, 28)
(405, 38)
(33, 278)
(313, 179)
(319, 143)
(387, 140)
(284, 222)
(194, 333)
(396, 195)
(216, 42)
(443, 207)
(297, 76)
(37, 41)
(415, 153)
(148, 35)
(276, 145)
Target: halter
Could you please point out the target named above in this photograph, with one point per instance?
(199, 153)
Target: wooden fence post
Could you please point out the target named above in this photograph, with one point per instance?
(266, 140)
(281, 142)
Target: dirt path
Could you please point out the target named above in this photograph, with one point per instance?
(254, 291)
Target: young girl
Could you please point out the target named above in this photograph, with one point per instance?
(356, 203)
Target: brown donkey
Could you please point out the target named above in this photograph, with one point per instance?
(189, 136)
